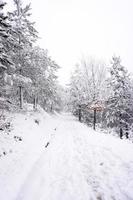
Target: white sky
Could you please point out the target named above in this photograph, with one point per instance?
(72, 28)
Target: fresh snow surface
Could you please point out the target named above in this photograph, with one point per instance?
(62, 159)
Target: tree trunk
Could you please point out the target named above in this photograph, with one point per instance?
(35, 103)
(121, 133)
(51, 108)
(21, 97)
(127, 134)
(121, 130)
(80, 113)
(94, 120)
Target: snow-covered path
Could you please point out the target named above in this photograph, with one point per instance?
(79, 164)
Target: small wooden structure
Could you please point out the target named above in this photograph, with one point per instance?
(95, 107)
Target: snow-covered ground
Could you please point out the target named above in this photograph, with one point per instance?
(62, 159)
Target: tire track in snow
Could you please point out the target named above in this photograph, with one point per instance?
(76, 167)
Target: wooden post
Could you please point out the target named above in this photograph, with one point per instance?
(95, 107)
(94, 120)
(80, 113)
(21, 97)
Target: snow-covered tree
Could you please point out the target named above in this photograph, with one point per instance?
(87, 87)
(41, 69)
(24, 34)
(4, 29)
(6, 65)
(119, 106)
(23, 29)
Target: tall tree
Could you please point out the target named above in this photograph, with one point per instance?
(119, 106)
(41, 69)
(24, 34)
(87, 87)
(6, 65)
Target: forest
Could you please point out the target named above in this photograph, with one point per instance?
(62, 142)
(98, 94)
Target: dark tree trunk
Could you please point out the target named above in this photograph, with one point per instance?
(21, 97)
(35, 103)
(80, 113)
(127, 133)
(94, 120)
(121, 130)
(51, 108)
(121, 133)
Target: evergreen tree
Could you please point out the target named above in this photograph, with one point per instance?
(41, 69)
(119, 105)
(23, 31)
(24, 34)
(6, 65)
(4, 29)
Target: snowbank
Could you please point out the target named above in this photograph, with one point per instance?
(23, 137)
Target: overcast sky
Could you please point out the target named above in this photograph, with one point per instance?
(72, 28)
